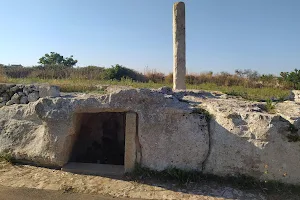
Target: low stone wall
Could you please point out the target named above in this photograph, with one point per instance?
(22, 94)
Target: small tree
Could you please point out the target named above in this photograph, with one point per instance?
(69, 61)
(292, 77)
(247, 73)
(56, 59)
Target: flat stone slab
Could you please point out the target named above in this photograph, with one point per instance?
(94, 169)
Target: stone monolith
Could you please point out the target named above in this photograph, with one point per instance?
(179, 68)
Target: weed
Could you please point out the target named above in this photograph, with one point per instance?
(168, 174)
(143, 172)
(270, 108)
(183, 177)
(7, 158)
(207, 115)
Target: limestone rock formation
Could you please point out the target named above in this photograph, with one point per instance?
(245, 139)
(191, 130)
(295, 96)
(43, 131)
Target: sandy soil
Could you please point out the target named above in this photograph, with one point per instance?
(22, 193)
(43, 178)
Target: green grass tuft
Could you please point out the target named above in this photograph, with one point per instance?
(270, 107)
(6, 157)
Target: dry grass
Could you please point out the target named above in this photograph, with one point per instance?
(3, 77)
(255, 94)
(83, 85)
(86, 79)
(154, 76)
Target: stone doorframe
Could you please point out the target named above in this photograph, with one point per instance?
(132, 148)
(130, 157)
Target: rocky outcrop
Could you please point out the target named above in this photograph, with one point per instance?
(246, 140)
(22, 94)
(168, 130)
(191, 130)
(295, 96)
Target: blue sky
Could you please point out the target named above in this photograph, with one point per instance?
(262, 35)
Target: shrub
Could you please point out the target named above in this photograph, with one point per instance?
(270, 108)
(89, 73)
(248, 73)
(2, 75)
(50, 72)
(292, 77)
(169, 78)
(154, 76)
(118, 72)
(17, 71)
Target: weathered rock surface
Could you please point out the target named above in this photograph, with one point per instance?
(34, 96)
(240, 138)
(246, 140)
(251, 142)
(24, 100)
(168, 131)
(166, 90)
(295, 96)
(49, 91)
(15, 98)
(4, 97)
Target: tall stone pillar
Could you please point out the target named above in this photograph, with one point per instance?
(179, 69)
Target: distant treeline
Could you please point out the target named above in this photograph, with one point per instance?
(246, 78)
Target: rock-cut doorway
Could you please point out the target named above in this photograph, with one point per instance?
(104, 143)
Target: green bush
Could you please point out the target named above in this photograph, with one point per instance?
(292, 77)
(51, 72)
(118, 72)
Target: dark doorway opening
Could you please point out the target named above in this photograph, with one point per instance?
(100, 138)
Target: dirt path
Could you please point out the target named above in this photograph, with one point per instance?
(10, 193)
(48, 179)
